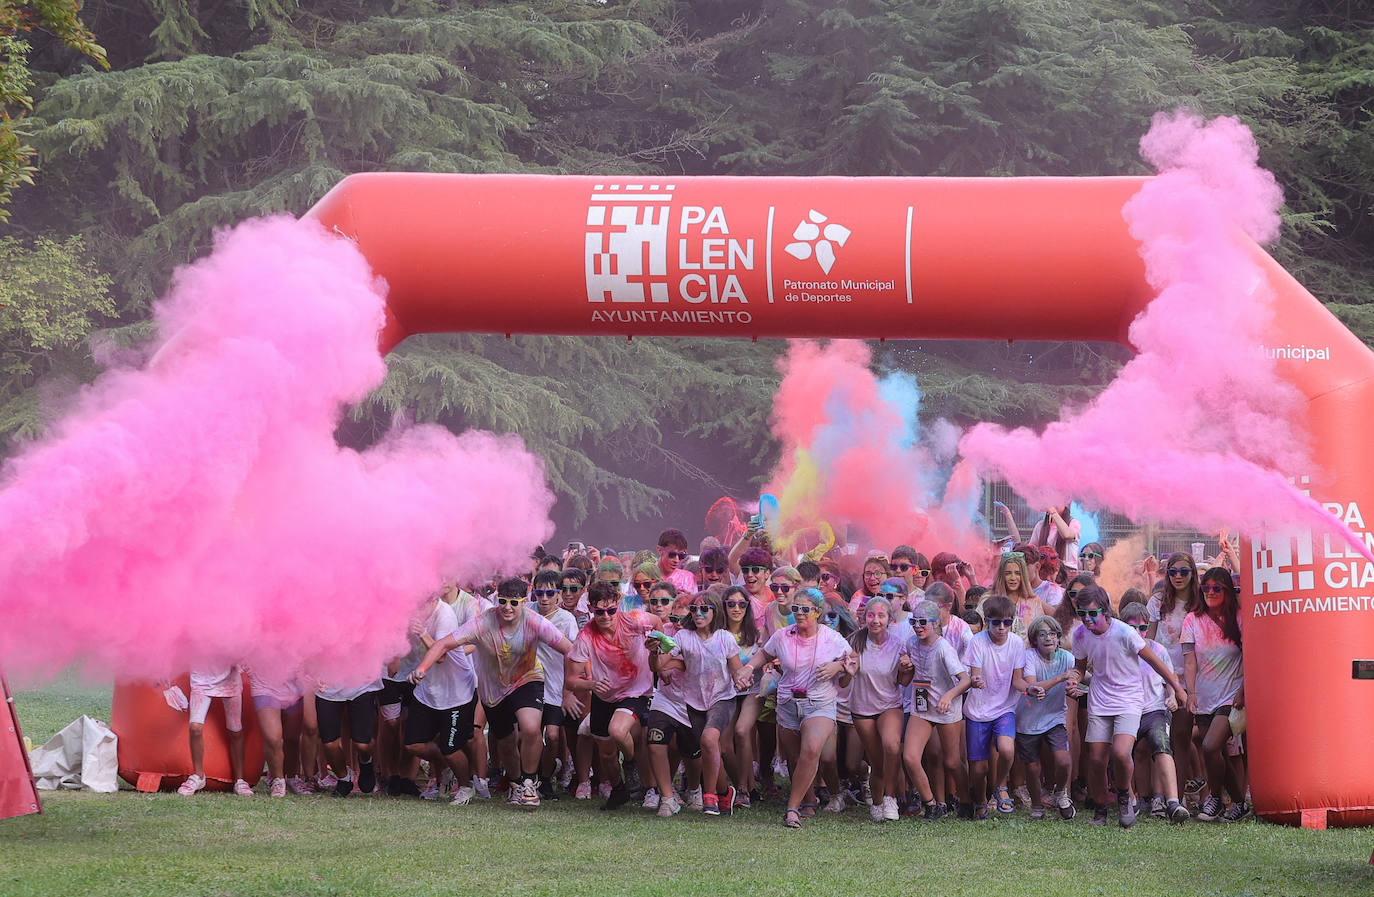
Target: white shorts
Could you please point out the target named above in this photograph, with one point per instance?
(233, 709)
(1103, 729)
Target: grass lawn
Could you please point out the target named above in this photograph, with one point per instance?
(168, 846)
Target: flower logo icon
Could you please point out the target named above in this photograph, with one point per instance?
(810, 237)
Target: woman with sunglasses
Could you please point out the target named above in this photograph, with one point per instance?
(510, 680)
(1167, 609)
(1116, 697)
(812, 658)
(738, 748)
(875, 570)
(610, 660)
(875, 703)
(1090, 558)
(645, 578)
(710, 656)
(1216, 686)
(782, 585)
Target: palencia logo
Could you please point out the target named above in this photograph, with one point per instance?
(641, 248)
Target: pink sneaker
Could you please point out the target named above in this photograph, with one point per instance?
(584, 791)
(297, 785)
(329, 781)
(192, 784)
(243, 789)
(279, 787)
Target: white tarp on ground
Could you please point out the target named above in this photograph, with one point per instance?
(83, 756)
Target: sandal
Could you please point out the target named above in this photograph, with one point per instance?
(808, 809)
(1004, 801)
(792, 818)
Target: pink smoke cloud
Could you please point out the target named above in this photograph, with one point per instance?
(1195, 426)
(852, 456)
(197, 510)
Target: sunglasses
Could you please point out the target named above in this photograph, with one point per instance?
(831, 616)
(1213, 589)
(921, 623)
(1089, 554)
(754, 570)
(802, 610)
(513, 602)
(676, 555)
(720, 571)
(902, 568)
(827, 577)
(701, 610)
(545, 593)
(737, 605)
(604, 611)
(646, 585)
(779, 588)
(1003, 622)
(675, 619)
(612, 582)
(660, 602)
(1140, 627)
(923, 573)
(571, 590)
(1180, 571)
(893, 597)
(1092, 614)
(1072, 593)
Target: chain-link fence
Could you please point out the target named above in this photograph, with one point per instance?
(1111, 528)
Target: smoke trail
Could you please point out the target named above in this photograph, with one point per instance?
(1194, 427)
(198, 510)
(1091, 530)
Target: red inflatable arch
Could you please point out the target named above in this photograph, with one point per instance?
(1038, 258)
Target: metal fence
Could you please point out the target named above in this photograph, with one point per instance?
(1111, 528)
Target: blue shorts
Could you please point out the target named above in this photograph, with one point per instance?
(980, 735)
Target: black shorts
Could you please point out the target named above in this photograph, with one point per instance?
(1028, 746)
(553, 714)
(501, 717)
(602, 711)
(1203, 721)
(394, 692)
(362, 718)
(449, 729)
(663, 728)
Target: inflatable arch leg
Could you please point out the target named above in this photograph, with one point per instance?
(154, 746)
(17, 793)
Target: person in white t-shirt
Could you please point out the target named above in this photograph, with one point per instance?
(1115, 697)
(994, 656)
(938, 680)
(875, 701)
(207, 684)
(1211, 640)
(812, 658)
(439, 721)
(1153, 741)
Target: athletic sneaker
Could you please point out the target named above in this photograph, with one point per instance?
(328, 781)
(867, 792)
(604, 789)
(1065, 804)
(278, 788)
(584, 791)
(1194, 786)
(1037, 813)
(192, 784)
(407, 787)
(243, 789)
(726, 801)
(431, 791)
(1125, 809)
(742, 801)
(1211, 809)
(890, 809)
(710, 805)
(651, 799)
(836, 804)
(875, 812)
(1178, 814)
(668, 806)
(529, 794)
(1236, 812)
(513, 795)
(1022, 796)
(297, 785)
(935, 811)
(618, 797)
(1099, 816)
(463, 796)
(1157, 808)
(367, 778)
(547, 790)
(755, 797)
(694, 800)
(343, 787)
(481, 788)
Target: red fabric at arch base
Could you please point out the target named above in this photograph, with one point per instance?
(17, 794)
